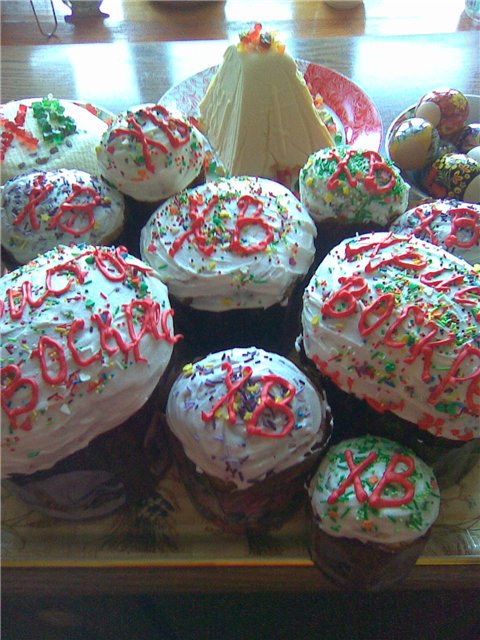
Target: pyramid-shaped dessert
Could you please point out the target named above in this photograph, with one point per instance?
(258, 113)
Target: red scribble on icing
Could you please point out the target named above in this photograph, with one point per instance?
(12, 374)
(453, 377)
(372, 181)
(244, 203)
(71, 210)
(38, 193)
(390, 477)
(344, 301)
(266, 401)
(381, 309)
(462, 218)
(15, 129)
(206, 243)
(177, 132)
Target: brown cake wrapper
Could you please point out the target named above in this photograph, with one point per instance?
(360, 566)
(117, 468)
(264, 506)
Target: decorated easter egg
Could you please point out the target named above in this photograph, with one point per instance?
(474, 153)
(414, 144)
(454, 175)
(469, 137)
(445, 109)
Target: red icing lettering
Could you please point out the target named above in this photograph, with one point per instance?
(266, 401)
(198, 220)
(468, 296)
(441, 284)
(355, 248)
(38, 192)
(393, 477)
(380, 178)
(353, 477)
(453, 378)
(77, 210)
(425, 347)
(14, 382)
(24, 296)
(382, 308)
(15, 129)
(244, 221)
(344, 301)
(76, 326)
(229, 397)
(418, 318)
(56, 354)
(463, 218)
(206, 243)
(410, 259)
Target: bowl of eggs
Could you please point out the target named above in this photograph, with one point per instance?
(436, 145)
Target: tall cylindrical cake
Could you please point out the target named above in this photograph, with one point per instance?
(372, 504)
(87, 334)
(349, 191)
(393, 322)
(247, 428)
(234, 255)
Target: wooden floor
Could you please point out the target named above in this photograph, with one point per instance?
(157, 20)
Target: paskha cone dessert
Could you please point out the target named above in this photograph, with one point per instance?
(393, 321)
(48, 133)
(247, 427)
(372, 504)
(258, 113)
(44, 209)
(232, 252)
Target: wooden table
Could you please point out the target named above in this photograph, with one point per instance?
(394, 72)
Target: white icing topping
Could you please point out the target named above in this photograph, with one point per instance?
(352, 186)
(44, 209)
(210, 271)
(258, 113)
(84, 353)
(450, 224)
(76, 151)
(396, 321)
(354, 514)
(227, 450)
(150, 153)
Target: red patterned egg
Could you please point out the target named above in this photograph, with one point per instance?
(414, 144)
(454, 175)
(446, 109)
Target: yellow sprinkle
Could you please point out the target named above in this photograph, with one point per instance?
(346, 191)
(188, 369)
(309, 181)
(315, 320)
(328, 197)
(211, 265)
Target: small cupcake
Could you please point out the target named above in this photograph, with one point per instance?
(87, 334)
(233, 254)
(150, 153)
(44, 209)
(246, 429)
(48, 133)
(349, 191)
(450, 224)
(393, 321)
(371, 509)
